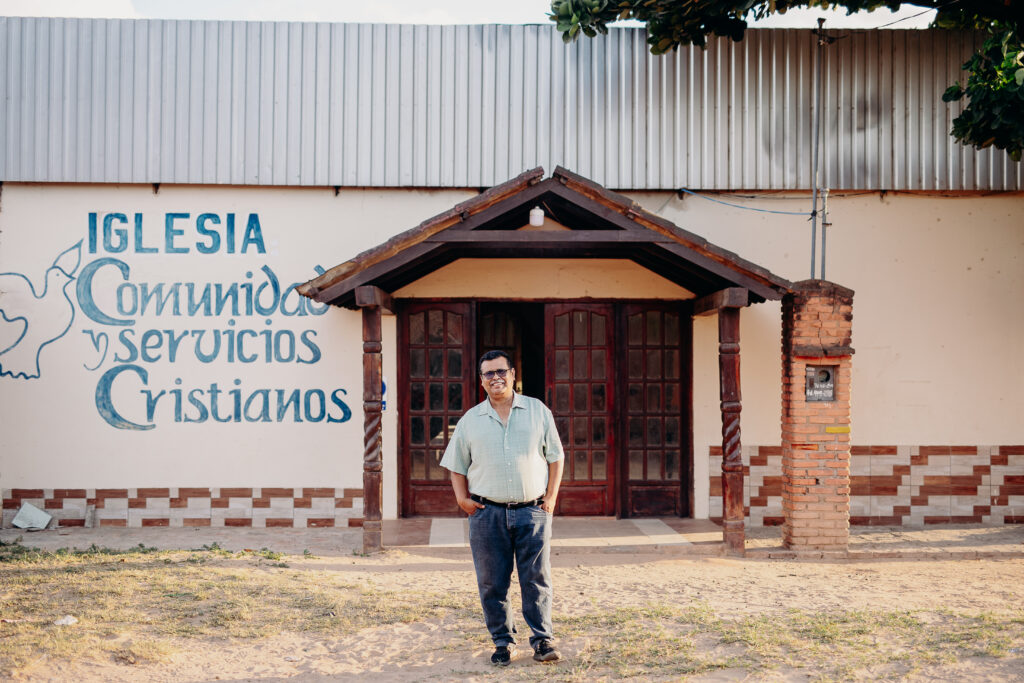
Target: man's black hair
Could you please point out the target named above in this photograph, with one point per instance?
(491, 355)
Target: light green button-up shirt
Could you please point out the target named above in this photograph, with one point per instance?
(507, 464)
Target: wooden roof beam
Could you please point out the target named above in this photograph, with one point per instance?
(370, 296)
(730, 297)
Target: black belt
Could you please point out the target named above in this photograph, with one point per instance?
(510, 506)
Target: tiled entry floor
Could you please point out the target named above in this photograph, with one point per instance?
(578, 533)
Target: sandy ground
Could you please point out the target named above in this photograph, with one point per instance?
(439, 650)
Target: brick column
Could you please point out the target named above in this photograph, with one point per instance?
(816, 330)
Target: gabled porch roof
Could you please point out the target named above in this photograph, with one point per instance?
(602, 224)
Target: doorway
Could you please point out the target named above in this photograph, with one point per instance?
(615, 376)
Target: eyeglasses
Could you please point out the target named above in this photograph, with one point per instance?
(490, 374)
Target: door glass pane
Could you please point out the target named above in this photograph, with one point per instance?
(417, 363)
(636, 431)
(671, 431)
(580, 396)
(561, 398)
(672, 337)
(454, 396)
(654, 398)
(597, 364)
(580, 467)
(653, 328)
(416, 334)
(561, 365)
(562, 330)
(453, 420)
(635, 364)
(597, 329)
(436, 362)
(635, 401)
(654, 364)
(672, 465)
(416, 430)
(636, 464)
(672, 363)
(435, 326)
(599, 465)
(454, 328)
(671, 397)
(436, 396)
(436, 430)
(579, 328)
(419, 467)
(562, 425)
(597, 393)
(653, 465)
(416, 396)
(599, 431)
(580, 429)
(653, 431)
(635, 326)
(579, 364)
(454, 363)
(487, 333)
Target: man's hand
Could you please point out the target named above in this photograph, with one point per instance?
(469, 506)
(461, 487)
(548, 505)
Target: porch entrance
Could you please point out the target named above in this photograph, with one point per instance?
(612, 373)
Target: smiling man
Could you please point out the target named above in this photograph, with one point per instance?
(506, 460)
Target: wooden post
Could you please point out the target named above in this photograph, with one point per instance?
(372, 460)
(732, 460)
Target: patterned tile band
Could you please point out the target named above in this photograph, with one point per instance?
(896, 485)
(182, 507)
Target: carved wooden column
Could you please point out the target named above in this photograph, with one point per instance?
(372, 300)
(732, 459)
(727, 303)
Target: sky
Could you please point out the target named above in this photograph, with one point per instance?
(398, 12)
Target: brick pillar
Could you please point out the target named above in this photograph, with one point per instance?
(817, 320)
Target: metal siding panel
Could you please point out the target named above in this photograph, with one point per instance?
(375, 121)
(93, 100)
(336, 106)
(307, 76)
(460, 150)
(447, 121)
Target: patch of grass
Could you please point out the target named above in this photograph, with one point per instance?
(667, 641)
(162, 599)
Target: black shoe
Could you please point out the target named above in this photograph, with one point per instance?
(546, 652)
(503, 654)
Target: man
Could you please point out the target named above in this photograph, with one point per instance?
(505, 460)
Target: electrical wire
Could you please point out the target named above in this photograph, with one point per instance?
(745, 208)
(915, 16)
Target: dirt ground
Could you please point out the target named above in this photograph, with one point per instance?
(446, 648)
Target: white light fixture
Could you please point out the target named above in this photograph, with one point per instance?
(536, 216)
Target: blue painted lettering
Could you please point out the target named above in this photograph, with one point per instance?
(264, 415)
(321, 409)
(253, 235)
(83, 290)
(171, 233)
(311, 345)
(125, 337)
(214, 245)
(346, 413)
(203, 412)
(109, 231)
(105, 406)
(292, 402)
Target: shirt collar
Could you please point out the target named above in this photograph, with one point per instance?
(518, 401)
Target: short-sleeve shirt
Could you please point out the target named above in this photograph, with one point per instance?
(505, 463)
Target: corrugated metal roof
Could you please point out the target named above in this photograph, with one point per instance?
(95, 100)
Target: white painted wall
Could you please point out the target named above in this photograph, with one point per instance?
(938, 326)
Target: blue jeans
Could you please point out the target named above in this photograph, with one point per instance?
(499, 537)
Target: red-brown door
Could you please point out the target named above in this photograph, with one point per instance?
(656, 431)
(579, 383)
(437, 380)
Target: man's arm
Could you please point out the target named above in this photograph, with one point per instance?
(554, 481)
(461, 486)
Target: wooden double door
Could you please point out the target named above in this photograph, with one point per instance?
(613, 375)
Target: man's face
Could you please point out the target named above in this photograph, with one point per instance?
(496, 386)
